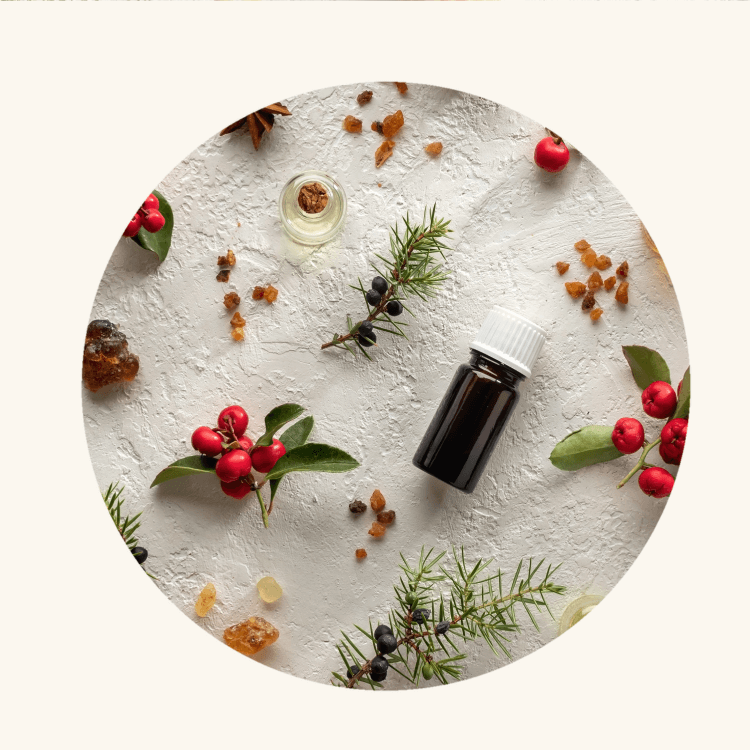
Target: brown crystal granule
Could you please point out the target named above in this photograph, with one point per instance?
(434, 148)
(376, 530)
(206, 599)
(258, 292)
(575, 289)
(360, 553)
(596, 313)
(384, 152)
(270, 293)
(595, 281)
(352, 124)
(386, 517)
(621, 295)
(364, 97)
(106, 358)
(377, 126)
(581, 245)
(562, 267)
(588, 258)
(226, 260)
(312, 198)
(238, 334)
(603, 262)
(609, 283)
(377, 501)
(231, 300)
(393, 123)
(223, 275)
(357, 506)
(251, 636)
(237, 320)
(622, 269)
(402, 87)
(589, 303)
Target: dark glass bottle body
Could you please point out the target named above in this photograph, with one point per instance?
(469, 421)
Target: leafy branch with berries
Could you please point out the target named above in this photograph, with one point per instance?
(413, 268)
(151, 226)
(596, 444)
(269, 456)
(420, 640)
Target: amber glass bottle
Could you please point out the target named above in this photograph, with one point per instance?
(480, 400)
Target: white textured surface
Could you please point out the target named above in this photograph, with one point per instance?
(512, 222)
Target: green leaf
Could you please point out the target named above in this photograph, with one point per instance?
(276, 419)
(313, 457)
(186, 467)
(585, 447)
(160, 241)
(292, 438)
(683, 402)
(646, 365)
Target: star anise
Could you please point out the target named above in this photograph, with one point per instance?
(259, 122)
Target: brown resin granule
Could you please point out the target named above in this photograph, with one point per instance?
(603, 262)
(258, 292)
(377, 127)
(231, 300)
(386, 517)
(237, 320)
(393, 123)
(562, 267)
(589, 303)
(596, 313)
(270, 293)
(312, 198)
(377, 501)
(376, 530)
(402, 87)
(581, 245)
(360, 553)
(223, 276)
(588, 258)
(575, 289)
(622, 270)
(384, 152)
(251, 636)
(595, 281)
(364, 97)
(226, 260)
(609, 283)
(435, 148)
(357, 506)
(621, 295)
(238, 334)
(352, 124)
(106, 358)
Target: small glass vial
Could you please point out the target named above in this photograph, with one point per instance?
(325, 202)
(480, 400)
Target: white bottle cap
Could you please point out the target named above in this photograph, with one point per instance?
(511, 339)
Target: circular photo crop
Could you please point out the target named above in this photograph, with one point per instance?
(385, 386)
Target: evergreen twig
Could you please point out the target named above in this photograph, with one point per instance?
(126, 525)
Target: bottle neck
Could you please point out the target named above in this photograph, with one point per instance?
(495, 369)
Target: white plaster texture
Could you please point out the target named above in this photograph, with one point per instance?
(511, 223)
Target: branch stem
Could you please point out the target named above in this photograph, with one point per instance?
(641, 463)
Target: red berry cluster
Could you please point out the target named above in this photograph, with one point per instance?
(238, 454)
(659, 401)
(148, 216)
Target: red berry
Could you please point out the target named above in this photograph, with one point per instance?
(233, 465)
(237, 489)
(206, 441)
(679, 388)
(551, 156)
(153, 221)
(628, 435)
(151, 202)
(133, 227)
(234, 416)
(265, 457)
(656, 482)
(245, 444)
(673, 436)
(659, 399)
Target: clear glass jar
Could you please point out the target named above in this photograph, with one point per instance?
(577, 610)
(312, 228)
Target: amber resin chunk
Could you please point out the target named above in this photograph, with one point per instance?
(596, 313)
(352, 124)
(238, 334)
(377, 501)
(621, 295)
(357, 506)
(588, 258)
(402, 87)
(609, 283)
(206, 599)
(364, 97)
(231, 300)
(562, 267)
(360, 553)
(258, 292)
(377, 126)
(384, 152)
(270, 293)
(575, 289)
(377, 529)
(589, 303)
(622, 269)
(312, 198)
(223, 276)
(434, 148)
(393, 123)
(595, 281)
(237, 320)
(106, 358)
(227, 260)
(269, 590)
(602, 262)
(251, 636)
(386, 517)
(581, 245)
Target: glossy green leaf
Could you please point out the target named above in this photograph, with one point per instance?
(585, 447)
(683, 402)
(158, 242)
(313, 457)
(646, 365)
(292, 438)
(186, 467)
(276, 419)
